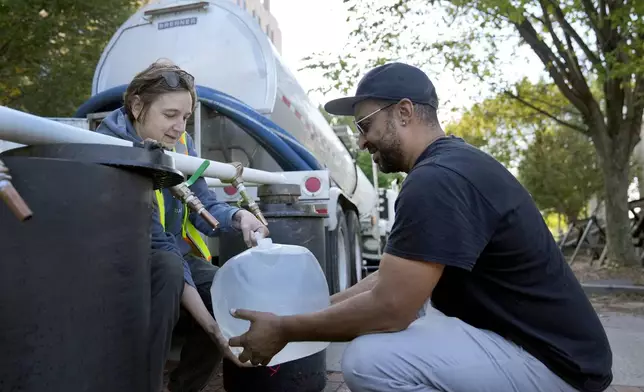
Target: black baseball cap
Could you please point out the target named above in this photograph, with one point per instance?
(389, 82)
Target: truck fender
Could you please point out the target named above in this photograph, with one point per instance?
(337, 197)
(332, 209)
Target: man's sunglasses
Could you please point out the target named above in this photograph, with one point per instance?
(364, 128)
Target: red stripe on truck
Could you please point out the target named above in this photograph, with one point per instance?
(286, 101)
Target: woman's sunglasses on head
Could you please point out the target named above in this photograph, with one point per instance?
(173, 78)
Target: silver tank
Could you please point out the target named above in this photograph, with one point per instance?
(225, 49)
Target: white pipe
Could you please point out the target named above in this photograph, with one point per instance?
(24, 128)
(224, 171)
(215, 183)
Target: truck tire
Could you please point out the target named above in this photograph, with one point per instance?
(339, 255)
(355, 246)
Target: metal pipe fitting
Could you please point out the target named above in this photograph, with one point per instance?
(238, 182)
(183, 193)
(11, 196)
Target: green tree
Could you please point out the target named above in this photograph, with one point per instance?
(503, 126)
(560, 170)
(49, 50)
(558, 166)
(580, 43)
(363, 158)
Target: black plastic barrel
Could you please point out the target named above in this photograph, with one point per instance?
(290, 222)
(75, 278)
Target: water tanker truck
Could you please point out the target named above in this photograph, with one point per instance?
(251, 110)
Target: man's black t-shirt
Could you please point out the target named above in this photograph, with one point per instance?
(504, 272)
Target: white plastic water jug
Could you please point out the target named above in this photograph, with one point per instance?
(276, 278)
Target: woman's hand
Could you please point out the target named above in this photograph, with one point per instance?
(215, 334)
(247, 222)
(195, 306)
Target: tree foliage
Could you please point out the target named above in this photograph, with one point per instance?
(503, 126)
(557, 165)
(49, 50)
(560, 170)
(593, 51)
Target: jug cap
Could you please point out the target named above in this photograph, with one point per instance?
(260, 240)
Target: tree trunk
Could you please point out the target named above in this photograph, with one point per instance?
(638, 153)
(571, 218)
(616, 182)
(640, 180)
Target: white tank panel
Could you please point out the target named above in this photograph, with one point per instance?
(6, 146)
(215, 41)
(365, 196)
(225, 49)
(295, 113)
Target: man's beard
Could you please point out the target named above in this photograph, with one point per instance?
(391, 156)
(388, 165)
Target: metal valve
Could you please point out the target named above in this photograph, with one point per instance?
(11, 196)
(238, 183)
(183, 193)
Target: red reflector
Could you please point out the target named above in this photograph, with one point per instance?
(322, 211)
(230, 190)
(313, 184)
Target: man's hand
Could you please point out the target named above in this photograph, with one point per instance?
(263, 340)
(215, 334)
(249, 224)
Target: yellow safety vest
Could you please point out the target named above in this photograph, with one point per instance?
(189, 232)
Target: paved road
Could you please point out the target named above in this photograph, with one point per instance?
(626, 335)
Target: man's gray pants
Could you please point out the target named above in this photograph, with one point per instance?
(440, 353)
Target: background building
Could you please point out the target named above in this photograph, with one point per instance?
(261, 12)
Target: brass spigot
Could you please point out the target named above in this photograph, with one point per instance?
(11, 196)
(183, 193)
(238, 183)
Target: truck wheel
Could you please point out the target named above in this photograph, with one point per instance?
(339, 255)
(355, 233)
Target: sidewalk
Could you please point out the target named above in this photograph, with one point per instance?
(336, 383)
